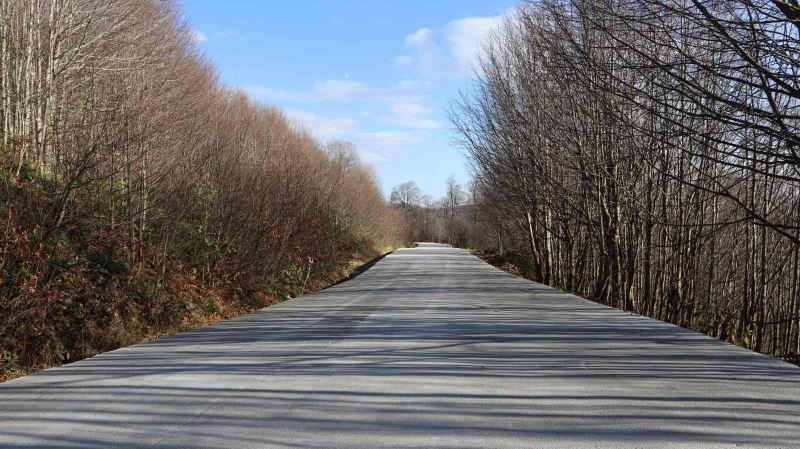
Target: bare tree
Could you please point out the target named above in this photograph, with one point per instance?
(406, 195)
(134, 184)
(643, 153)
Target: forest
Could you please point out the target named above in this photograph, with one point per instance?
(646, 154)
(140, 196)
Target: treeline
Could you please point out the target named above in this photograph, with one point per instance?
(449, 219)
(645, 153)
(139, 195)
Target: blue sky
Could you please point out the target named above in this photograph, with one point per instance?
(377, 73)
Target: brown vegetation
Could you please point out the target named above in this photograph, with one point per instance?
(139, 196)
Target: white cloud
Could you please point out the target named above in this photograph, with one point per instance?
(386, 138)
(227, 33)
(403, 60)
(410, 114)
(373, 146)
(402, 104)
(383, 146)
(427, 57)
(340, 91)
(260, 92)
(324, 128)
(453, 49)
(397, 115)
(330, 90)
(420, 38)
(467, 37)
(337, 90)
(198, 36)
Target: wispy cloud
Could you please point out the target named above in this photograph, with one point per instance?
(410, 114)
(340, 91)
(427, 54)
(201, 37)
(227, 33)
(403, 60)
(466, 38)
(322, 91)
(383, 146)
(373, 147)
(387, 138)
(198, 36)
(324, 128)
(451, 50)
(385, 122)
(402, 105)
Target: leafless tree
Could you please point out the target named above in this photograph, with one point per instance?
(131, 177)
(644, 153)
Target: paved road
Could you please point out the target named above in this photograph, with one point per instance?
(429, 348)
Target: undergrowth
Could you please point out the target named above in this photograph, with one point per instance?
(72, 291)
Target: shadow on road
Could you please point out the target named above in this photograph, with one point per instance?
(431, 347)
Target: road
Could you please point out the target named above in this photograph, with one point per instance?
(429, 348)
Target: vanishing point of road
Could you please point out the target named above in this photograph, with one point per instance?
(429, 348)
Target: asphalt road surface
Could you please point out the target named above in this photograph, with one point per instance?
(429, 348)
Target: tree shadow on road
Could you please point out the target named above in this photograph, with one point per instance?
(406, 356)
